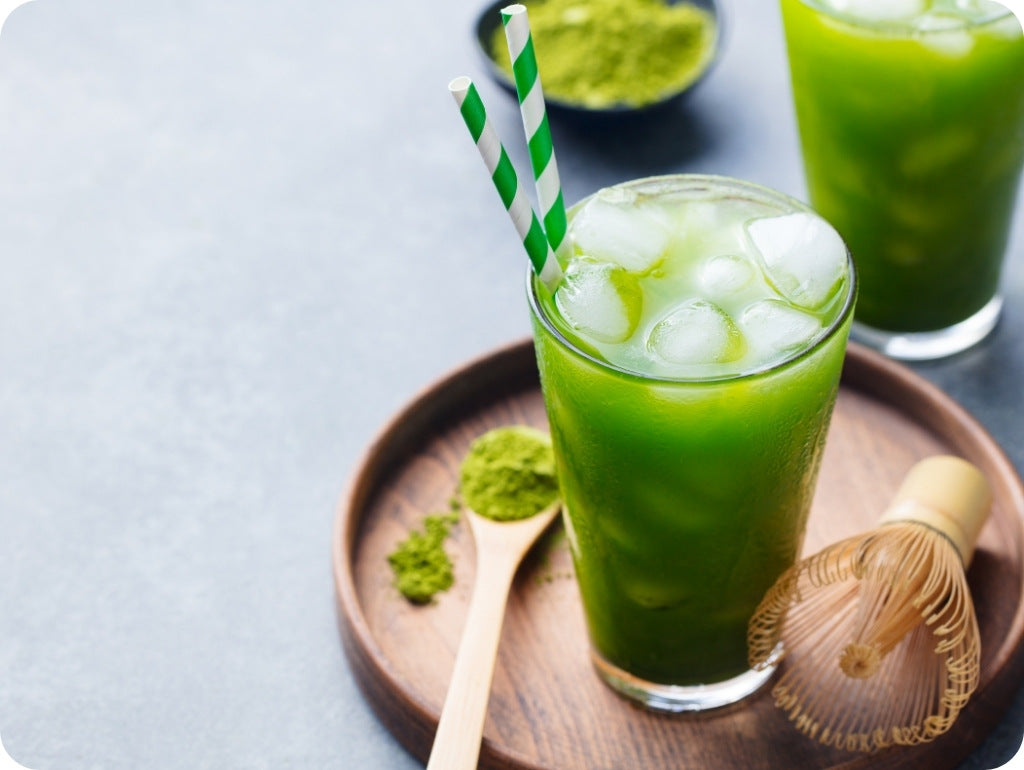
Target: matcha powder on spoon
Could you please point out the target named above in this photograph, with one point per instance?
(509, 474)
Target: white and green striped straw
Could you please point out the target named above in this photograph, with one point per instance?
(535, 122)
(503, 174)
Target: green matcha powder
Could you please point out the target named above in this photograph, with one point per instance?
(508, 474)
(420, 564)
(600, 53)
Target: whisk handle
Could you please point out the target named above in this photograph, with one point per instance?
(949, 495)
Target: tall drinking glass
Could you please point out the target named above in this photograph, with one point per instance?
(689, 363)
(911, 117)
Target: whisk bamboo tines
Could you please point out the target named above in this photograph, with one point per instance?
(878, 631)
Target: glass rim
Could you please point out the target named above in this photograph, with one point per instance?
(902, 27)
(719, 182)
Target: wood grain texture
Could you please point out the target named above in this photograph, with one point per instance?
(548, 710)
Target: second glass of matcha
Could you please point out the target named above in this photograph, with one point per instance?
(911, 117)
(689, 360)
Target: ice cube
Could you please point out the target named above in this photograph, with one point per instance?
(704, 227)
(599, 300)
(804, 257)
(773, 327)
(623, 195)
(936, 20)
(708, 226)
(944, 33)
(696, 332)
(622, 233)
(726, 273)
(879, 10)
(973, 9)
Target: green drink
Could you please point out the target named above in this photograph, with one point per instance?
(911, 116)
(689, 363)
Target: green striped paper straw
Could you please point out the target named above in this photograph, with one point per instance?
(503, 174)
(535, 122)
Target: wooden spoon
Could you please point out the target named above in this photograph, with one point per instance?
(500, 546)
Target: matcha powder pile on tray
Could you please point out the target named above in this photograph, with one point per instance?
(600, 53)
(420, 564)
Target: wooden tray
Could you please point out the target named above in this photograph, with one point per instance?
(548, 710)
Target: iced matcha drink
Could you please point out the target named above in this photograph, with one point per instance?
(911, 116)
(689, 362)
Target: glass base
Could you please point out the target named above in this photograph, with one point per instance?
(680, 698)
(924, 346)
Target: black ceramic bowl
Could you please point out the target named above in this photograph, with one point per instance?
(489, 21)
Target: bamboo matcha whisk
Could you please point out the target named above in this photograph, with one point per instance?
(878, 630)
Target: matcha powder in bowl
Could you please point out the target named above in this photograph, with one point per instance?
(600, 54)
(509, 474)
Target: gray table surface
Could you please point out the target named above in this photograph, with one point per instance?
(236, 237)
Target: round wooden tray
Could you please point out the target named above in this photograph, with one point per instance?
(548, 710)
